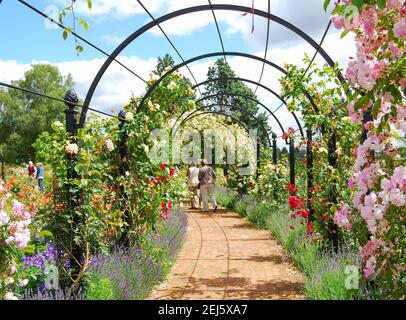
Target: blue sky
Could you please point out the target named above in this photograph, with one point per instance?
(27, 40)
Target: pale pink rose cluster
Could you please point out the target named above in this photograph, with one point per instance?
(367, 67)
(109, 145)
(376, 190)
(72, 149)
(368, 256)
(343, 217)
(18, 226)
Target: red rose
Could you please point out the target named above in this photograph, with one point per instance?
(172, 172)
(324, 216)
(293, 202)
(309, 228)
(305, 161)
(292, 188)
(163, 166)
(305, 214)
(291, 227)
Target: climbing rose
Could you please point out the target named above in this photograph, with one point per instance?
(129, 116)
(171, 171)
(342, 217)
(72, 149)
(163, 166)
(399, 29)
(10, 296)
(109, 145)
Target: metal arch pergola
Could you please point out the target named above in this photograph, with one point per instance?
(259, 103)
(72, 125)
(216, 54)
(230, 106)
(185, 11)
(259, 122)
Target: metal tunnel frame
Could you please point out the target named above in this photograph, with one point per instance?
(256, 101)
(230, 106)
(185, 11)
(216, 54)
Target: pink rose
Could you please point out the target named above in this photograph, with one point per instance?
(399, 29)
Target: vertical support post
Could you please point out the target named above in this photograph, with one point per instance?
(292, 160)
(274, 149)
(332, 160)
(123, 168)
(367, 118)
(258, 157)
(73, 198)
(3, 169)
(309, 157)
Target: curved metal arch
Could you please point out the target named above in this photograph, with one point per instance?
(238, 108)
(216, 54)
(258, 102)
(189, 10)
(231, 106)
(243, 80)
(221, 114)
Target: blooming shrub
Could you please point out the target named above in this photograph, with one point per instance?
(376, 74)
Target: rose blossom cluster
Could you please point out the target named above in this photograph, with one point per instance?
(72, 149)
(110, 145)
(377, 187)
(14, 229)
(17, 226)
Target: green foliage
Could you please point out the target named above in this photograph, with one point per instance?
(163, 63)
(221, 70)
(98, 288)
(24, 117)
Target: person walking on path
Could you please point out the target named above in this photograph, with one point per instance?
(40, 176)
(207, 179)
(31, 172)
(193, 183)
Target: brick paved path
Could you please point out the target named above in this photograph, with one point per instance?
(226, 257)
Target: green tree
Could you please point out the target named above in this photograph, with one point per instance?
(221, 70)
(25, 116)
(166, 61)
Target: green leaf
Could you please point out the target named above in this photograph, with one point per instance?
(362, 102)
(79, 48)
(89, 4)
(326, 4)
(344, 33)
(358, 4)
(65, 34)
(382, 4)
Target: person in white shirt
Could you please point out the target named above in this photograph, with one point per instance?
(193, 183)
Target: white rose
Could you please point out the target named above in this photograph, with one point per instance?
(10, 296)
(129, 116)
(23, 283)
(72, 149)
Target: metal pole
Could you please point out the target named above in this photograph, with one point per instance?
(123, 168)
(292, 161)
(274, 149)
(73, 198)
(3, 169)
(367, 118)
(309, 156)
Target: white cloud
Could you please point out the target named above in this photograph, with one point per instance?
(112, 38)
(308, 16)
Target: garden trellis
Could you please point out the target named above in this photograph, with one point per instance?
(113, 57)
(73, 124)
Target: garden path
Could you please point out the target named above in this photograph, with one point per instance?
(224, 258)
